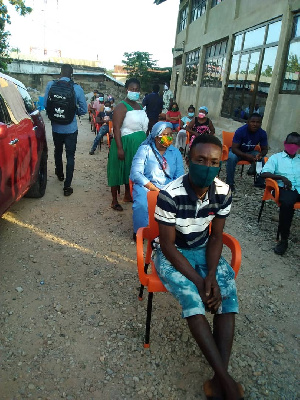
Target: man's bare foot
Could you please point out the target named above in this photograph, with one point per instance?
(233, 390)
(213, 390)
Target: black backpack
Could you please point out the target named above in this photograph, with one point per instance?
(61, 102)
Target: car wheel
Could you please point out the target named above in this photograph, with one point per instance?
(39, 187)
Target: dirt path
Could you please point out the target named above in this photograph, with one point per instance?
(71, 325)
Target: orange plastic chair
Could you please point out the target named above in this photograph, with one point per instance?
(151, 280)
(130, 187)
(272, 193)
(227, 138)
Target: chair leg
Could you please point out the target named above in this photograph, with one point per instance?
(277, 236)
(242, 170)
(142, 286)
(261, 210)
(148, 320)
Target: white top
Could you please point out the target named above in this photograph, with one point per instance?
(134, 121)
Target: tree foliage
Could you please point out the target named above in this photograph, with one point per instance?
(141, 66)
(22, 9)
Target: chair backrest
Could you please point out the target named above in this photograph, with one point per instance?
(227, 138)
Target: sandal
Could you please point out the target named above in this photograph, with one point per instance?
(68, 191)
(117, 207)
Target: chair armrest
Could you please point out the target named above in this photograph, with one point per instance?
(236, 252)
(225, 152)
(272, 184)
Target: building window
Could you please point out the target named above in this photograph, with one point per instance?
(215, 3)
(251, 70)
(191, 68)
(198, 9)
(291, 78)
(183, 19)
(214, 64)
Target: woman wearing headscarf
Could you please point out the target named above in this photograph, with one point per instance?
(130, 123)
(156, 163)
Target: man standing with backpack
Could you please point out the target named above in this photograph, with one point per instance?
(63, 101)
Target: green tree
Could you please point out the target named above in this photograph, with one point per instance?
(22, 9)
(293, 63)
(139, 64)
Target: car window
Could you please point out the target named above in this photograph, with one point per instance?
(29, 105)
(4, 114)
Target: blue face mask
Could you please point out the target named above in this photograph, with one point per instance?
(133, 96)
(191, 114)
(201, 175)
(101, 98)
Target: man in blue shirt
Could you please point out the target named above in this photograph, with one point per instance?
(284, 167)
(66, 134)
(154, 105)
(243, 144)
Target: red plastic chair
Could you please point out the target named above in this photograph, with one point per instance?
(227, 138)
(151, 280)
(272, 193)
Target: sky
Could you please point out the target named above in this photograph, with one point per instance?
(102, 30)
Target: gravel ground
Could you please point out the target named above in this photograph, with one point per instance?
(71, 324)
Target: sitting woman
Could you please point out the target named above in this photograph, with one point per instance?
(174, 116)
(155, 164)
(200, 125)
(181, 136)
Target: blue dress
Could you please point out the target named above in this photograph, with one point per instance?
(144, 169)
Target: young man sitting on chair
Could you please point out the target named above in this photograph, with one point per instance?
(189, 263)
(284, 167)
(243, 147)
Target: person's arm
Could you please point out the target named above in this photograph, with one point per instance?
(268, 171)
(235, 148)
(49, 84)
(118, 118)
(263, 152)
(190, 126)
(179, 171)
(168, 118)
(137, 172)
(81, 101)
(213, 254)
(211, 127)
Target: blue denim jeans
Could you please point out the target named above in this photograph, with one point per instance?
(102, 131)
(233, 159)
(70, 142)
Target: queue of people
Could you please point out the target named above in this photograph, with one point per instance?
(191, 208)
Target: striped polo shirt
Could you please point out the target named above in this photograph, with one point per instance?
(179, 206)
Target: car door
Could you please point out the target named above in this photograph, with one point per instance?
(8, 159)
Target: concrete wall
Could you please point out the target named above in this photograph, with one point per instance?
(224, 20)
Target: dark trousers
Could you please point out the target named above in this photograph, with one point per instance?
(287, 199)
(70, 141)
(152, 122)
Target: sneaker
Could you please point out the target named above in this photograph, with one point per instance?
(281, 247)
(92, 152)
(68, 191)
(252, 169)
(60, 176)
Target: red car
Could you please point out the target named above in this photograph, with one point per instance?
(23, 145)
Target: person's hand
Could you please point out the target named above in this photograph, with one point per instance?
(121, 154)
(287, 183)
(212, 293)
(258, 157)
(251, 158)
(201, 289)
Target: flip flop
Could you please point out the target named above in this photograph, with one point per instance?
(117, 207)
